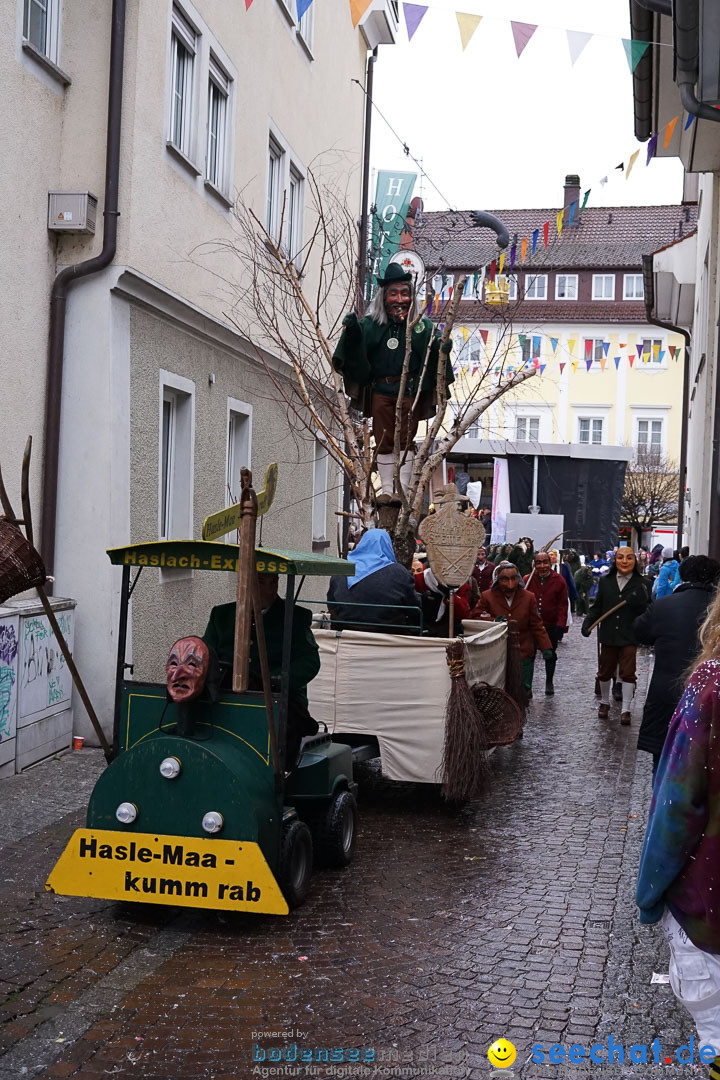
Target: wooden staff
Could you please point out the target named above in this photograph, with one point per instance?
(451, 610)
(606, 616)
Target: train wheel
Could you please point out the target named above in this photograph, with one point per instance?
(296, 860)
(336, 832)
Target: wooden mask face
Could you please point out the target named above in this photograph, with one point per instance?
(186, 669)
(625, 560)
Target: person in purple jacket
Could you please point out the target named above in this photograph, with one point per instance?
(679, 876)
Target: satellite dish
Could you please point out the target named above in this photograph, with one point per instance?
(411, 262)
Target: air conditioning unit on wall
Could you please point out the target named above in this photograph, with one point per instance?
(72, 211)
(381, 23)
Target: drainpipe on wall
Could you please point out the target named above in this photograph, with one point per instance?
(365, 195)
(649, 294)
(687, 59)
(71, 274)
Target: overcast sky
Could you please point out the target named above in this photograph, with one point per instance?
(494, 131)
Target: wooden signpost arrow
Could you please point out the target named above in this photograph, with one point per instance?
(224, 521)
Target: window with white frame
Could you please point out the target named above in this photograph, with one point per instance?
(41, 22)
(183, 56)
(239, 447)
(649, 435)
(460, 410)
(320, 484)
(536, 286)
(566, 286)
(526, 349)
(176, 465)
(294, 213)
(603, 287)
(473, 288)
(274, 188)
(594, 350)
(652, 350)
(633, 288)
(527, 428)
(590, 430)
(217, 125)
(285, 197)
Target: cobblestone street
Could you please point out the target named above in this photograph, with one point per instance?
(513, 917)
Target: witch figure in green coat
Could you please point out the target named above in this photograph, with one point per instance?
(370, 356)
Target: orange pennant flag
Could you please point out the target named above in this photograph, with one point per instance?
(603, 362)
(669, 129)
(559, 222)
(358, 9)
(523, 249)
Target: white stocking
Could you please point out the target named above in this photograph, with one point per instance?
(605, 692)
(628, 690)
(406, 469)
(386, 470)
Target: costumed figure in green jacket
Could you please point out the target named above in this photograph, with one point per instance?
(584, 579)
(370, 356)
(304, 656)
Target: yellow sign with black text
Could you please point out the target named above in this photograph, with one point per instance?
(177, 870)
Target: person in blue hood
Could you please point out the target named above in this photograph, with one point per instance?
(380, 596)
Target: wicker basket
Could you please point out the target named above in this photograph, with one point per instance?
(501, 714)
(20, 565)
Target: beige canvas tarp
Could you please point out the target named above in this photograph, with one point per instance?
(396, 688)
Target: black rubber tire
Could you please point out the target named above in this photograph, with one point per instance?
(335, 833)
(296, 862)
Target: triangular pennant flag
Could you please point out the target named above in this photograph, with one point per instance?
(536, 235)
(523, 249)
(634, 51)
(546, 232)
(656, 350)
(357, 9)
(414, 15)
(513, 253)
(623, 345)
(651, 148)
(493, 268)
(640, 349)
(631, 358)
(436, 302)
(604, 181)
(522, 338)
(572, 342)
(679, 352)
(669, 129)
(464, 371)
(522, 32)
(247, 4)
(502, 262)
(671, 349)
(465, 333)
(536, 344)
(588, 364)
(559, 222)
(536, 363)
(467, 24)
(484, 336)
(688, 122)
(554, 344)
(577, 40)
(606, 347)
(631, 162)
(621, 167)
(302, 6)
(603, 362)
(542, 368)
(586, 196)
(571, 213)
(562, 366)
(574, 365)
(617, 361)
(589, 343)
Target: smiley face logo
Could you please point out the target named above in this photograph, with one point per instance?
(501, 1054)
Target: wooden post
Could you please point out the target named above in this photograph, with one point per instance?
(246, 567)
(451, 610)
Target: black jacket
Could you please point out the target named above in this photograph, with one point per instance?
(618, 629)
(671, 625)
(392, 588)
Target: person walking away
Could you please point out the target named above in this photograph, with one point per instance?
(583, 583)
(618, 644)
(380, 597)
(550, 592)
(668, 578)
(672, 625)
(509, 599)
(679, 876)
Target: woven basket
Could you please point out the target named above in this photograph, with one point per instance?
(502, 716)
(20, 565)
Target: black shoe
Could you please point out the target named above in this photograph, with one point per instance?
(549, 689)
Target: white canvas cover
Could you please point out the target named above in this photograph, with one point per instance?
(395, 688)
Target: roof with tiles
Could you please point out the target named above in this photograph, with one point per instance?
(615, 236)
(553, 311)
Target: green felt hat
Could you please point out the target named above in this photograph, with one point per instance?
(394, 275)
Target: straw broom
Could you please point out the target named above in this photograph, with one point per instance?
(464, 762)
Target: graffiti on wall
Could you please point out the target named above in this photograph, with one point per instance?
(44, 676)
(8, 665)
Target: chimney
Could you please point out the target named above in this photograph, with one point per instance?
(571, 193)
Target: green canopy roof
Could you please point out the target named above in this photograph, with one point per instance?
(206, 555)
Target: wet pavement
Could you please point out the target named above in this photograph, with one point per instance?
(512, 917)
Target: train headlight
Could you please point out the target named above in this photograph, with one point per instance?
(213, 821)
(170, 767)
(126, 813)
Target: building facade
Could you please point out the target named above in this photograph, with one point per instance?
(165, 396)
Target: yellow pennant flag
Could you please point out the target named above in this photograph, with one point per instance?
(574, 365)
(502, 262)
(465, 333)
(559, 222)
(523, 249)
(358, 9)
(572, 342)
(669, 129)
(656, 351)
(467, 25)
(631, 162)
